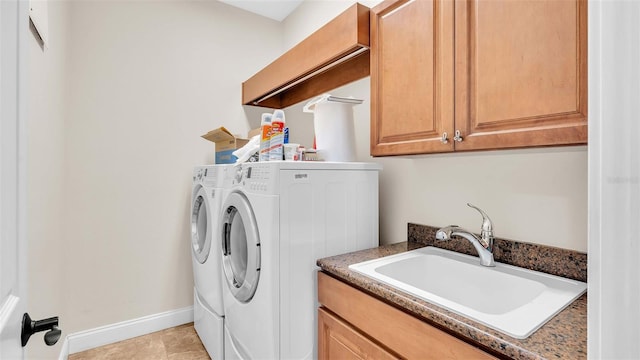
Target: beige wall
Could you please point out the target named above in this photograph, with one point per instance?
(532, 195)
(148, 79)
(45, 160)
(117, 115)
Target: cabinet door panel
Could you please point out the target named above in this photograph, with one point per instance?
(411, 76)
(521, 73)
(337, 340)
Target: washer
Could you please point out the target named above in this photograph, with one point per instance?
(277, 219)
(208, 309)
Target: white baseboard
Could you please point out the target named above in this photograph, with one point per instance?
(64, 351)
(104, 335)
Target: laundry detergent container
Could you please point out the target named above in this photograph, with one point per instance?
(333, 126)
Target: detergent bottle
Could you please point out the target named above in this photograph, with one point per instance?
(277, 136)
(265, 137)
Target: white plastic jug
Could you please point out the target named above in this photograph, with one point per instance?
(333, 126)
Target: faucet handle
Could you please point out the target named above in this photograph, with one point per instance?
(487, 225)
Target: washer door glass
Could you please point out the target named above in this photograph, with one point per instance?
(200, 226)
(240, 247)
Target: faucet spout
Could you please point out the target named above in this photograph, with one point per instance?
(485, 253)
(482, 244)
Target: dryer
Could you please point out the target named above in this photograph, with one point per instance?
(208, 310)
(277, 219)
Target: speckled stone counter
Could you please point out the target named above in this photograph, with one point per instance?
(562, 337)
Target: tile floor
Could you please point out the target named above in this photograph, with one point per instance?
(178, 343)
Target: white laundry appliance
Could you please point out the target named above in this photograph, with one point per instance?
(278, 218)
(208, 310)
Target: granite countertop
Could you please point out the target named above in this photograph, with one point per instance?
(564, 336)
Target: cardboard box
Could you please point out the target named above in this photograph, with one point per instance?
(226, 143)
(254, 132)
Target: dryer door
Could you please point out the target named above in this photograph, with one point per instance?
(240, 247)
(200, 225)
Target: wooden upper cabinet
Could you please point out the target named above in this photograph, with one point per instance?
(521, 73)
(506, 74)
(412, 76)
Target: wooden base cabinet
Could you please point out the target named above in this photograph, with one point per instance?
(477, 74)
(338, 340)
(355, 325)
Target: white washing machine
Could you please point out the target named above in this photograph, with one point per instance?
(208, 310)
(278, 218)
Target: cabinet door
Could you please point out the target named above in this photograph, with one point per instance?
(338, 340)
(521, 73)
(412, 69)
(399, 332)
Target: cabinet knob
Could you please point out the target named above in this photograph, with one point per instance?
(444, 139)
(458, 136)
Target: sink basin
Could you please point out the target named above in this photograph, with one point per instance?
(510, 299)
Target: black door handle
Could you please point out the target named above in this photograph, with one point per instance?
(30, 327)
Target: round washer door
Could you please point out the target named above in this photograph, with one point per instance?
(200, 226)
(240, 247)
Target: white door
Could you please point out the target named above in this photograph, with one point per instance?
(201, 227)
(13, 27)
(240, 247)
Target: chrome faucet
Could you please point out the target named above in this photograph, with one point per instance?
(482, 244)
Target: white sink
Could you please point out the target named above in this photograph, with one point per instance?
(513, 300)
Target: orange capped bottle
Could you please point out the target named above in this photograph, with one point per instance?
(265, 137)
(277, 136)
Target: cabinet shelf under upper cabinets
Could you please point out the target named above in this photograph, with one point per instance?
(334, 55)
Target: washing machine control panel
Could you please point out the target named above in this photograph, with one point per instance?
(256, 178)
(240, 174)
(207, 175)
(198, 174)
